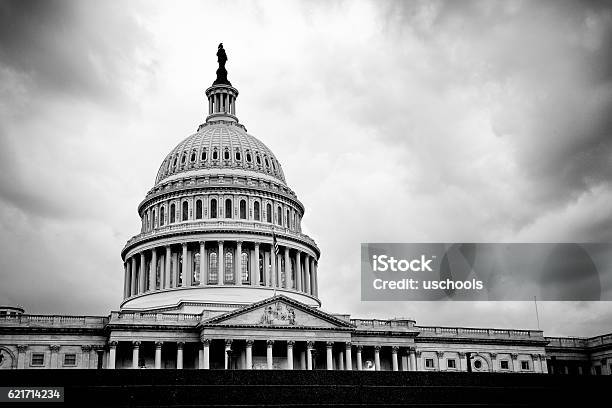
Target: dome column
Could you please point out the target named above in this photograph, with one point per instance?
(203, 264)
(288, 282)
(153, 270)
(313, 277)
(142, 273)
(185, 268)
(221, 265)
(266, 271)
(255, 271)
(298, 271)
(133, 277)
(175, 264)
(167, 259)
(307, 273)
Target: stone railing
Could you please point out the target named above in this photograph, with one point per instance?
(479, 332)
(221, 224)
(59, 321)
(580, 342)
(377, 324)
(189, 319)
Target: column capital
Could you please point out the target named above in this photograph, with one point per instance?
(256, 244)
(167, 246)
(377, 348)
(329, 344)
(228, 342)
(54, 347)
(135, 344)
(206, 342)
(461, 354)
(310, 344)
(22, 348)
(220, 242)
(514, 356)
(86, 348)
(269, 343)
(359, 348)
(535, 356)
(440, 354)
(113, 344)
(158, 344)
(348, 344)
(249, 342)
(184, 244)
(418, 353)
(180, 344)
(239, 242)
(394, 349)
(290, 343)
(493, 355)
(202, 242)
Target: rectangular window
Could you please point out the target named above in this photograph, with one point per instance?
(38, 359)
(503, 364)
(451, 363)
(429, 363)
(69, 359)
(524, 365)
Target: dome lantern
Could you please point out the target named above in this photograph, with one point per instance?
(222, 95)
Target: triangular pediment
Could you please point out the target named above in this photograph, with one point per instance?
(278, 311)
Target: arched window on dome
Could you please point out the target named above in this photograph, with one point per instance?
(153, 218)
(287, 219)
(199, 209)
(267, 162)
(215, 154)
(244, 267)
(248, 157)
(256, 211)
(213, 208)
(213, 269)
(238, 156)
(193, 157)
(229, 267)
(162, 215)
(185, 212)
(228, 208)
(243, 212)
(175, 160)
(269, 213)
(258, 159)
(172, 213)
(184, 158)
(226, 155)
(273, 164)
(279, 216)
(203, 157)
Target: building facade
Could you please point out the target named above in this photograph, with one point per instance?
(221, 276)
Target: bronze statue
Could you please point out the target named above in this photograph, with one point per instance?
(221, 71)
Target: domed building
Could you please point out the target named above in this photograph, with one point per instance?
(221, 276)
(220, 227)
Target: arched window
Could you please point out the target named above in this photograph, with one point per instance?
(162, 215)
(244, 267)
(267, 162)
(226, 155)
(256, 211)
(243, 210)
(199, 209)
(258, 159)
(228, 208)
(215, 155)
(248, 157)
(273, 164)
(172, 213)
(279, 216)
(203, 157)
(193, 157)
(153, 219)
(184, 158)
(268, 213)
(213, 269)
(229, 267)
(185, 211)
(238, 156)
(213, 208)
(288, 220)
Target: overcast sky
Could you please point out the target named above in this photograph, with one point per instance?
(395, 121)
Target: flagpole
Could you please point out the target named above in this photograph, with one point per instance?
(536, 310)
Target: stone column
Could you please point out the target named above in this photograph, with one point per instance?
(377, 358)
(249, 355)
(228, 353)
(419, 360)
(255, 270)
(142, 287)
(179, 355)
(220, 264)
(185, 268)
(167, 259)
(307, 273)
(269, 357)
(290, 345)
(349, 357)
(359, 359)
(203, 264)
(413, 363)
(543, 363)
(330, 361)
(309, 347)
(340, 360)
(85, 349)
(162, 270)
(303, 360)
(112, 354)
(238, 264)
(288, 282)
(394, 363)
(462, 362)
(273, 268)
(537, 367)
(493, 362)
(135, 353)
(175, 270)
(404, 360)
(315, 284)
(266, 272)
(134, 274)
(158, 350)
(298, 271)
(153, 271)
(439, 354)
(21, 356)
(514, 362)
(126, 280)
(206, 353)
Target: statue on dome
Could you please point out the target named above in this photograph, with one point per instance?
(221, 71)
